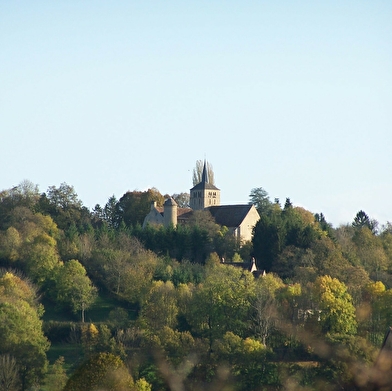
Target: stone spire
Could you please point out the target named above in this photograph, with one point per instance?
(204, 176)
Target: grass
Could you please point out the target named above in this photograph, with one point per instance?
(71, 353)
(99, 312)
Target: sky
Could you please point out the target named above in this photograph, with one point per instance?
(291, 96)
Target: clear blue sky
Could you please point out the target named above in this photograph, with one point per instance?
(291, 96)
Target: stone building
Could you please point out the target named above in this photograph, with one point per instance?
(239, 219)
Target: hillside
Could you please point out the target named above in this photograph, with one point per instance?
(90, 292)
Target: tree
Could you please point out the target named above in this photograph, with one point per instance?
(386, 240)
(64, 206)
(10, 242)
(9, 376)
(41, 258)
(103, 371)
(56, 378)
(198, 172)
(337, 314)
(18, 288)
(124, 267)
(74, 288)
(26, 195)
(370, 251)
(247, 359)
(177, 346)
(259, 198)
(160, 308)
(222, 302)
(288, 204)
(31, 239)
(265, 305)
(116, 267)
(133, 206)
(110, 214)
(63, 197)
(204, 220)
(288, 260)
(361, 220)
(21, 329)
(182, 199)
(268, 240)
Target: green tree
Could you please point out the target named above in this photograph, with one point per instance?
(31, 239)
(25, 195)
(64, 206)
(361, 220)
(222, 302)
(247, 359)
(370, 251)
(103, 371)
(337, 314)
(133, 206)
(124, 267)
(386, 240)
(176, 346)
(41, 258)
(268, 240)
(21, 329)
(56, 377)
(160, 307)
(74, 288)
(15, 287)
(109, 213)
(10, 243)
(142, 385)
(260, 199)
(63, 197)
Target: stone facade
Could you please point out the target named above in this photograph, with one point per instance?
(170, 212)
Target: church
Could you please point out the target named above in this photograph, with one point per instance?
(239, 219)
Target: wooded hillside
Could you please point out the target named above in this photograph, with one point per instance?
(89, 300)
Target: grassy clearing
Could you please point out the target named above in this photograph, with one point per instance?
(99, 312)
(72, 353)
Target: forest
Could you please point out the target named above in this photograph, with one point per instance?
(91, 301)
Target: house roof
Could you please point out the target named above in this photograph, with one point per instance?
(183, 211)
(170, 202)
(229, 215)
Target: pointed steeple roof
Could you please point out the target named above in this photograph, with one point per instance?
(204, 176)
(204, 184)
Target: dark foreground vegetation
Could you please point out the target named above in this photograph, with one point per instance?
(90, 301)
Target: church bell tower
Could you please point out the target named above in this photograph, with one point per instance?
(204, 194)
